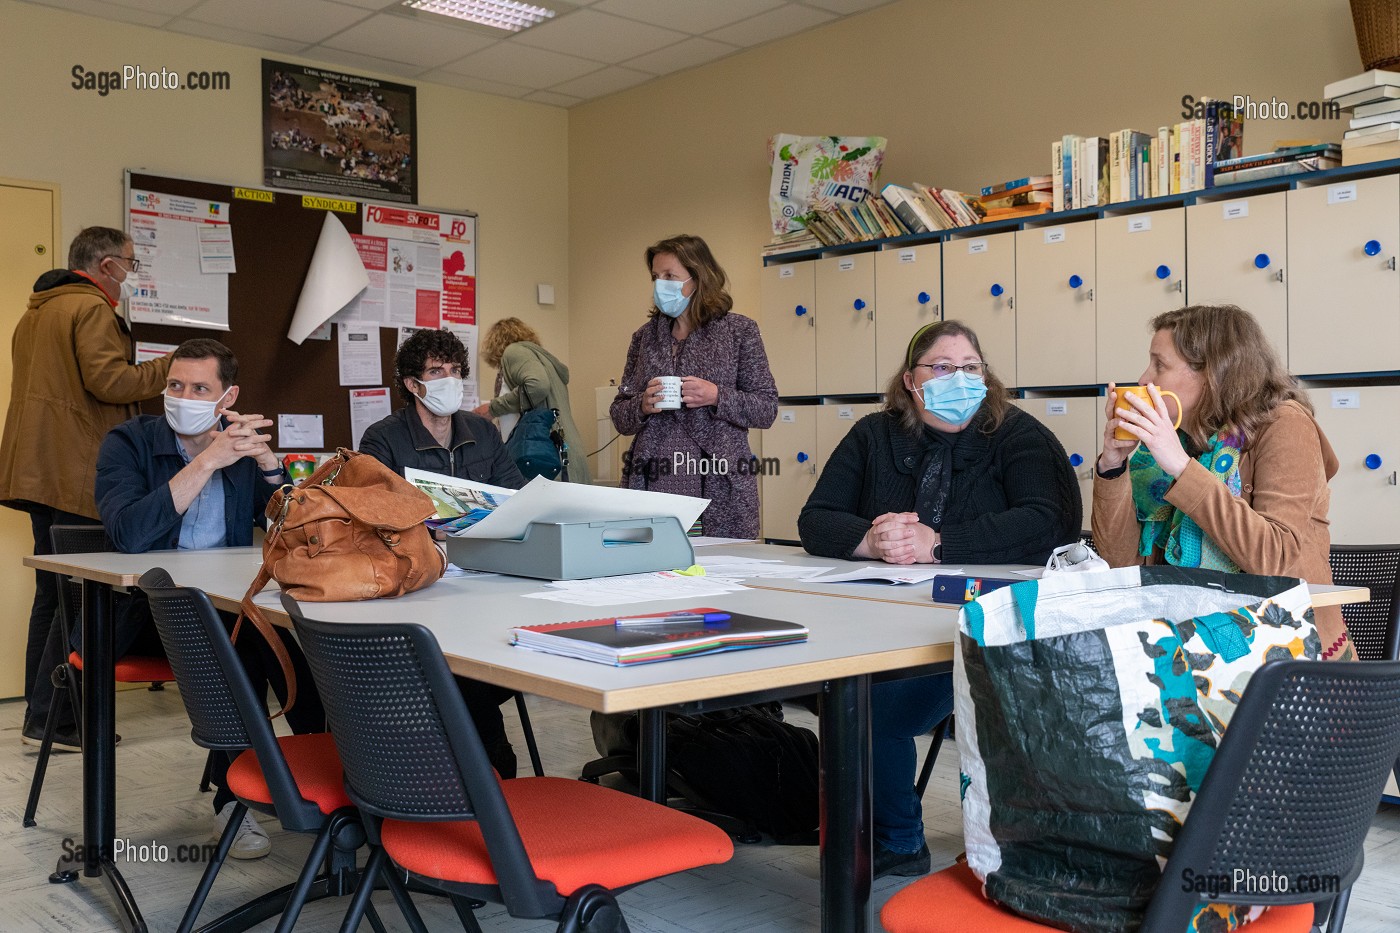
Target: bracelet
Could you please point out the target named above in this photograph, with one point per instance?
(271, 473)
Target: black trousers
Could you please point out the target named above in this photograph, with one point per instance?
(43, 653)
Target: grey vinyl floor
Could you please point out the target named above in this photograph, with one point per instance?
(765, 889)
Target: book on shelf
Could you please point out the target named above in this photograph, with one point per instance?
(1278, 170)
(1371, 139)
(1367, 97)
(1163, 183)
(1371, 130)
(1385, 105)
(1366, 81)
(1057, 189)
(791, 242)
(1383, 152)
(1223, 138)
(1097, 170)
(606, 642)
(1382, 116)
(1069, 146)
(1016, 184)
(1018, 199)
(909, 209)
(1282, 154)
(1025, 210)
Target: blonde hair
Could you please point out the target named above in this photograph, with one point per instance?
(901, 404)
(1244, 382)
(502, 334)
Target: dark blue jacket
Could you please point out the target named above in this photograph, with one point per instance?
(134, 468)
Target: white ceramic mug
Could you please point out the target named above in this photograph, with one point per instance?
(670, 392)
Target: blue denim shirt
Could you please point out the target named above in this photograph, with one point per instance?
(203, 524)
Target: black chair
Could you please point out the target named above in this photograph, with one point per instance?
(67, 676)
(1374, 626)
(1291, 792)
(297, 778)
(416, 768)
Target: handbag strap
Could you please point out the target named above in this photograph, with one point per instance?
(266, 629)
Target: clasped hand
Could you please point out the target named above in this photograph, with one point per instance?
(1150, 424)
(240, 439)
(899, 538)
(695, 393)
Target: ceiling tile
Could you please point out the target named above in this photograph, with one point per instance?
(373, 4)
(682, 55)
(522, 65)
(107, 11)
(355, 63)
(553, 99)
(310, 21)
(237, 36)
(846, 7)
(408, 40)
(765, 27)
(606, 81)
(598, 36)
(687, 15)
(167, 7)
(438, 76)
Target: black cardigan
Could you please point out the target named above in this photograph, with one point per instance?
(1013, 497)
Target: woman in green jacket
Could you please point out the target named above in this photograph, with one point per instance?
(531, 377)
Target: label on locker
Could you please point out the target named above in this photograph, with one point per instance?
(1341, 194)
(846, 413)
(845, 265)
(786, 272)
(788, 417)
(1057, 407)
(1233, 209)
(1139, 224)
(1054, 234)
(976, 246)
(908, 255)
(1346, 398)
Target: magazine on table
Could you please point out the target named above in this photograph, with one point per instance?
(460, 503)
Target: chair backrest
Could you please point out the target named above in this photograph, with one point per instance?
(1374, 626)
(408, 745)
(74, 539)
(226, 712)
(1291, 790)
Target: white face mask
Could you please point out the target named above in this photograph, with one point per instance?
(443, 396)
(191, 416)
(128, 286)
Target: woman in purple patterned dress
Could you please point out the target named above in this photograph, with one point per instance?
(702, 448)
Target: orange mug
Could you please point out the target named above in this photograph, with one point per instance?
(1140, 392)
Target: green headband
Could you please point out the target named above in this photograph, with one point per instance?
(909, 354)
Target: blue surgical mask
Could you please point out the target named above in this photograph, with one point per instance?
(667, 295)
(954, 399)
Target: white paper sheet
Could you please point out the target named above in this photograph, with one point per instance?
(336, 276)
(171, 289)
(359, 355)
(366, 407)
(300, 432)
(893, 575)
(152, 351)
(633, 588)
(216, 249)
(706, 540)
(543, 500)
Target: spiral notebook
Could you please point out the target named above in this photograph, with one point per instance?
(606, 642)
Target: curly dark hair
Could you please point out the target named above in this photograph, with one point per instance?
(413, 356)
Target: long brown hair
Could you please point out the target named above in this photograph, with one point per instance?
(901, 404)
(1244, 380)
(503, 333)
(710, 300)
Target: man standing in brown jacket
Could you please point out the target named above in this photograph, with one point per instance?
(73, 382)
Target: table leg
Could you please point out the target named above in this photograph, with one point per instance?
(845, 805)
(651, 754)
(100, 754)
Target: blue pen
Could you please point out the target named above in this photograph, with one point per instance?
(706, 617)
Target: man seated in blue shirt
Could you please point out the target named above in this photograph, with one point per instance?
(199, 477)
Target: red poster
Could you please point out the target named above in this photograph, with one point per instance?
(427, 312)
(458, 298)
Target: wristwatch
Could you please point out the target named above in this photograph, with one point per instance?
(938, 553)
(270, 473)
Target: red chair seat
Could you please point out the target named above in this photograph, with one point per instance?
(575, 834)
(134, 669)
(315, 766)
(951, 901)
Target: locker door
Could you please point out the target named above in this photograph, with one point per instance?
(909, 286)
(1343, 301)
(1073, 423)
(1360, 423)
(979, 289)
(834, 422)
(1141, 272)
(1055, 324)
(792, 442)
(1237, 253)
(787, 294)
(845, 327)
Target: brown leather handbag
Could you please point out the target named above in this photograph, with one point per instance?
(351, 530)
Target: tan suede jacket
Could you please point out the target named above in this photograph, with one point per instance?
(1277, 525)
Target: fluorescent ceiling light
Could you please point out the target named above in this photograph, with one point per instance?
(509, 15)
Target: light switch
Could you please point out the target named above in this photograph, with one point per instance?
(544, 294)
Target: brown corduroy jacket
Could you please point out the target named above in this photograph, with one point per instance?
(73, 382)
(1277, 525)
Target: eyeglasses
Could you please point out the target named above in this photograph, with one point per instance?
(943, 370)
(135, 263)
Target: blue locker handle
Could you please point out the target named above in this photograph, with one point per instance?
(1372, 247)
(859, 304)
(1163, 271)
(800, 310)
(1261, 261)
(802, 458)
(997, 290)
(1075, 460)
(924, 298)
(1373, 461)
(1075, 281)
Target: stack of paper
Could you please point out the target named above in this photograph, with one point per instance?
(634, 588)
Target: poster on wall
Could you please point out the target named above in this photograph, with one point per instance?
(345, 134)
(174, 286)
(454, 238)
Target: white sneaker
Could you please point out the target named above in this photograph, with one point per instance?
(251, 839)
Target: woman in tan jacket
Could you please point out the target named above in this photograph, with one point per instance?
(1243, 486)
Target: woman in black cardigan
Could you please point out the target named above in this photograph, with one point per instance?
(949, 472)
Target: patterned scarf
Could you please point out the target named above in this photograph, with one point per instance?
(1163, 525)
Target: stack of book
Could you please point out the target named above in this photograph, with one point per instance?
(685, 633)
(1286, 160)
(1020, 197)
(923, 208)
(871, 219)
(1373, 100)
(791, 242)
(1129, 165)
